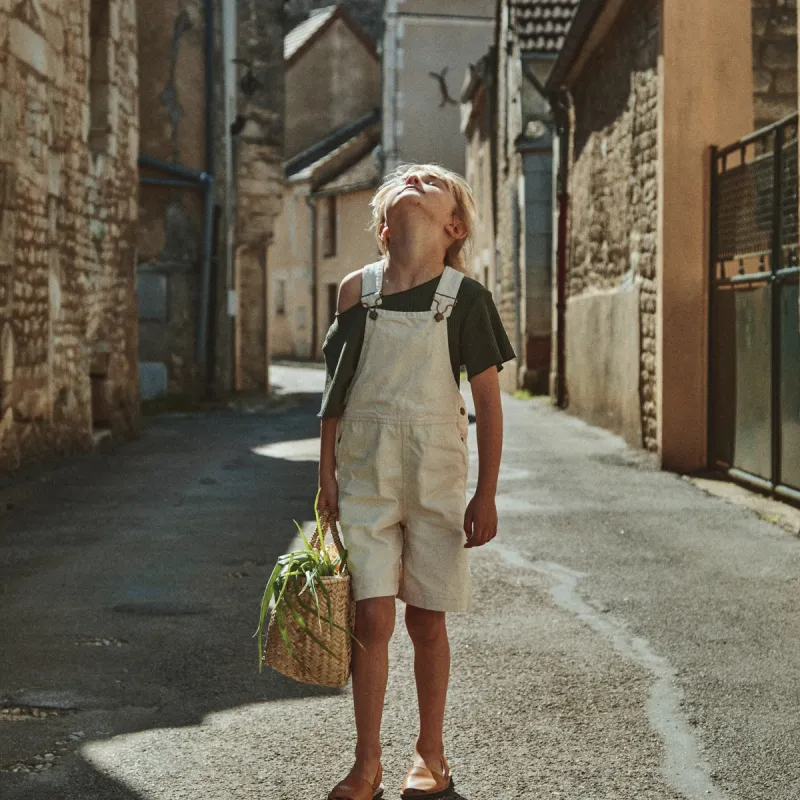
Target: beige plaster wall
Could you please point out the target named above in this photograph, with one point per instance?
(419, 124)
(707, 99)
(603, 382)
(289, 262)
(467, 8)
(479, 177)
(333, 83)
(356, 246)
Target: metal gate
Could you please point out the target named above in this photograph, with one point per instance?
(754, 396)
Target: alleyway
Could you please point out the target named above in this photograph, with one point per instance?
(633, 637)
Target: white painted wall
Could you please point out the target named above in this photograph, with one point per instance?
(423, 38)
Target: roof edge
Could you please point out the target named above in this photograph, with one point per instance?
(342, 14)
(582, 25)
(328, 144)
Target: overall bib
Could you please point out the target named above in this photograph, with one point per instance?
(402, 456)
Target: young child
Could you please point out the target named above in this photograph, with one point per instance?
(394, 455)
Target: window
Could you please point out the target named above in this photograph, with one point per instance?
(333, 301)
(99, 76)
(280, 297)
(329, 227)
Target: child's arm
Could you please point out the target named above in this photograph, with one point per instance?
(480, 521)
(329, 488)
(349, 294)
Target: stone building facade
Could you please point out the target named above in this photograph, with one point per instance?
(614, 227)
(642, 96)
(211, 110)
(333, 130)
(774, 59)
(528, 37)
(68, 215)
(477, 122)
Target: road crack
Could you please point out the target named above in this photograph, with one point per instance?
(684, 765)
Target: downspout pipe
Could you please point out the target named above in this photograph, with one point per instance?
(311, 200)
(183, 177)
(561, 104)
(209, 86)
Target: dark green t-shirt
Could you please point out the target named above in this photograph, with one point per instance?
(475, 334)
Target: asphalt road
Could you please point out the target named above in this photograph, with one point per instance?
(632, 638)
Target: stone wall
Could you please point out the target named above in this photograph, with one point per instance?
(774, 59)
(259, 177)
(247, 172)
(169, 247)
(614, 184)
(508, 293)
(68, 211)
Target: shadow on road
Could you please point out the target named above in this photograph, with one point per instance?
(131, 584)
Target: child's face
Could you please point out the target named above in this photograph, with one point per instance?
(427, 193)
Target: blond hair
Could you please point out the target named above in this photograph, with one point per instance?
(458, 187)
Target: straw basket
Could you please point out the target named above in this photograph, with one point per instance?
(312, 663)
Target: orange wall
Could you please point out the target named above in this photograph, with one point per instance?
(707, 100)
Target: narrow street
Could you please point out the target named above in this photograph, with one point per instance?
(633, 637)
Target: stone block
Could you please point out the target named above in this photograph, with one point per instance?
(8, 126)
(7, 233)
(762, 81)
(54, 174)
(30, 398)
(8, 187)
(780, 55)
(773, 107)
(786, 82)
(28, 46)
(54, 32)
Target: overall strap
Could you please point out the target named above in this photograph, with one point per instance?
(447, 293)
(371, 285)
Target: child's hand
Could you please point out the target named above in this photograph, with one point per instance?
(480, 521)
(329, 496)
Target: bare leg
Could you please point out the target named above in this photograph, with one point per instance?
(374, 628)
(428, 632)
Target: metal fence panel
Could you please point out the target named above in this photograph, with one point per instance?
(753, 435)
(790, 386)
(754, 352)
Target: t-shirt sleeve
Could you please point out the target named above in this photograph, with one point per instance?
(341, 350)
(484, 342)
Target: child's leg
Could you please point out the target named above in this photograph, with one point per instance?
(374, 628)
(428, 632)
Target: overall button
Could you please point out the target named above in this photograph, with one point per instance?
(463, 411)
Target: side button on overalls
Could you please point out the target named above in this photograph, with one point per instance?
(402, 456)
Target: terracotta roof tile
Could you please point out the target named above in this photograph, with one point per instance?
(541, 25)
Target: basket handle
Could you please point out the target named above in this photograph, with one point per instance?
(328, 523)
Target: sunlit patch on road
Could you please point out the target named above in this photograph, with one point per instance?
(298, 450)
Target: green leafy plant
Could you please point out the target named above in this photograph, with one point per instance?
(298, 575)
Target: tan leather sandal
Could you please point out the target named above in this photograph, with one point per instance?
(424, 782)
(354, 788)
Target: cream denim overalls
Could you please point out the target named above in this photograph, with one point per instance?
(402, 456)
